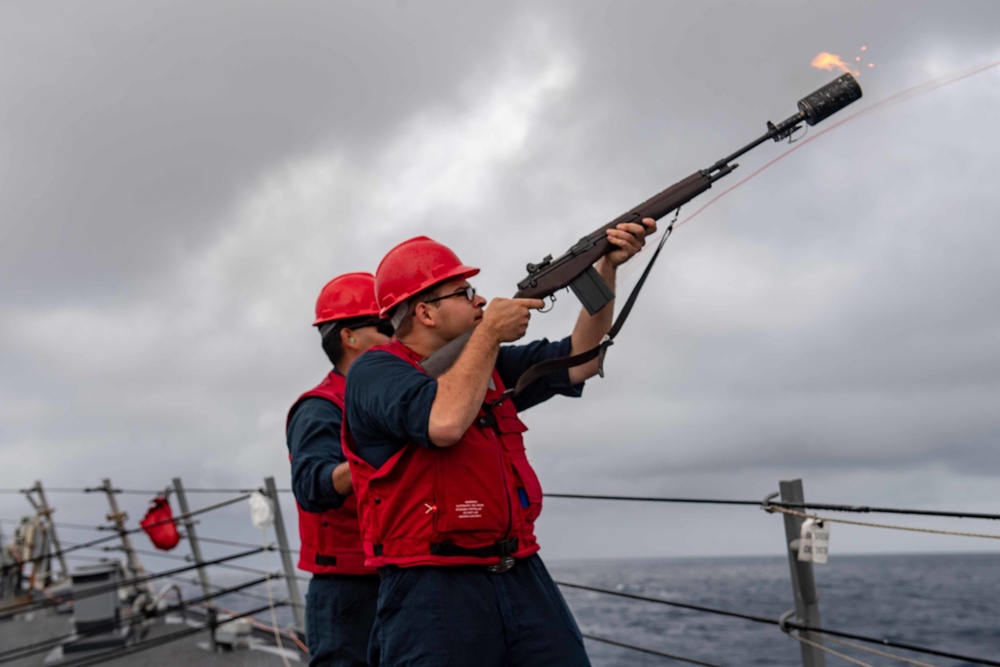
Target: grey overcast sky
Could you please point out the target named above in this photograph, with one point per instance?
(179, 179)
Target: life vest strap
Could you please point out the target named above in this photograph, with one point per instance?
(450, 549)
(501, 548)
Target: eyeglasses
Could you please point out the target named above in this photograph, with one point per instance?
(468, 292)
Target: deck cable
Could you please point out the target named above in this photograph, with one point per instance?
(640, 649)
(231, 543)
(187, 559)
(881, 654)
(757, 503)
(791, 624)
(188, 515)
(830, 651)
(289, 631)
(32, 605)
(136, 492)
(133, 531)
(866, 509)
(936, 531)
(62, 524)
(895, 644)
(73, 546)
(251, 596)
(40, 647)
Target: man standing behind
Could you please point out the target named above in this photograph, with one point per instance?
(446, 495)
(340, 607)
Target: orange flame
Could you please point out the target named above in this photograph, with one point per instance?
(828, 61)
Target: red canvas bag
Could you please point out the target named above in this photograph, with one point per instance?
(160, 526)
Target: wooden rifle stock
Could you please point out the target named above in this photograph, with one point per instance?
(551, 275)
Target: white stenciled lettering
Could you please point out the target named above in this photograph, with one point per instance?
(470, 509)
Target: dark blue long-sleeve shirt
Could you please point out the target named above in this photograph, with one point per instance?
(388, 401)
(314, 442)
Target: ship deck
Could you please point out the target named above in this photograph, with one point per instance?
(167, 641)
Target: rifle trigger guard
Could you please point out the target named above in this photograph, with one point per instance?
(552, 298)
(605, 343)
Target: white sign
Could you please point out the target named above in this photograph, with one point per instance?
(814, 541)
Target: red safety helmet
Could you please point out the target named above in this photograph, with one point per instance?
(349, 295)
(413, 266)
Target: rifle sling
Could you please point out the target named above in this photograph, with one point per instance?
(543, 368)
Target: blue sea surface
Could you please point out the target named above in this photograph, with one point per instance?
(948, 602)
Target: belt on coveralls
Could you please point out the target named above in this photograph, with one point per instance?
(503, 549)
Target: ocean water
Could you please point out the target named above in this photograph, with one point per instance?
(949, 602)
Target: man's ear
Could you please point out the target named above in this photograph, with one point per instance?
(425, 314)
(347, 338)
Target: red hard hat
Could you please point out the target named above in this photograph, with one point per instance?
(349, 295)
(413, 266)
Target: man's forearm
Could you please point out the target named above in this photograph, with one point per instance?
(590, 329)
(461, 390)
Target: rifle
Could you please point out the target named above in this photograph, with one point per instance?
(575, 268)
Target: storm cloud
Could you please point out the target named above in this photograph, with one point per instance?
(178, 180)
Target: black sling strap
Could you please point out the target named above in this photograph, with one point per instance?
(543, 368)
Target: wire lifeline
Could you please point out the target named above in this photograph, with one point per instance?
(134, 531)
(76, 547)
(62, 524)
(140, 492)
(671, 603)
(778, 621)
(859, 647)
(882, 654)
(640, 649)
(936, 531)
(826, 649)
(218, 588)
(843, 508)
(188, 515)
(756, 503)
(97, 590)
(225, 566)
(147, 552)
(289, 632)
(895, 644)
(173, 519)
(864, 509)
(231, 543)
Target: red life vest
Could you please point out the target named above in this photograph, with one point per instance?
(331, 540)
(470, 503)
